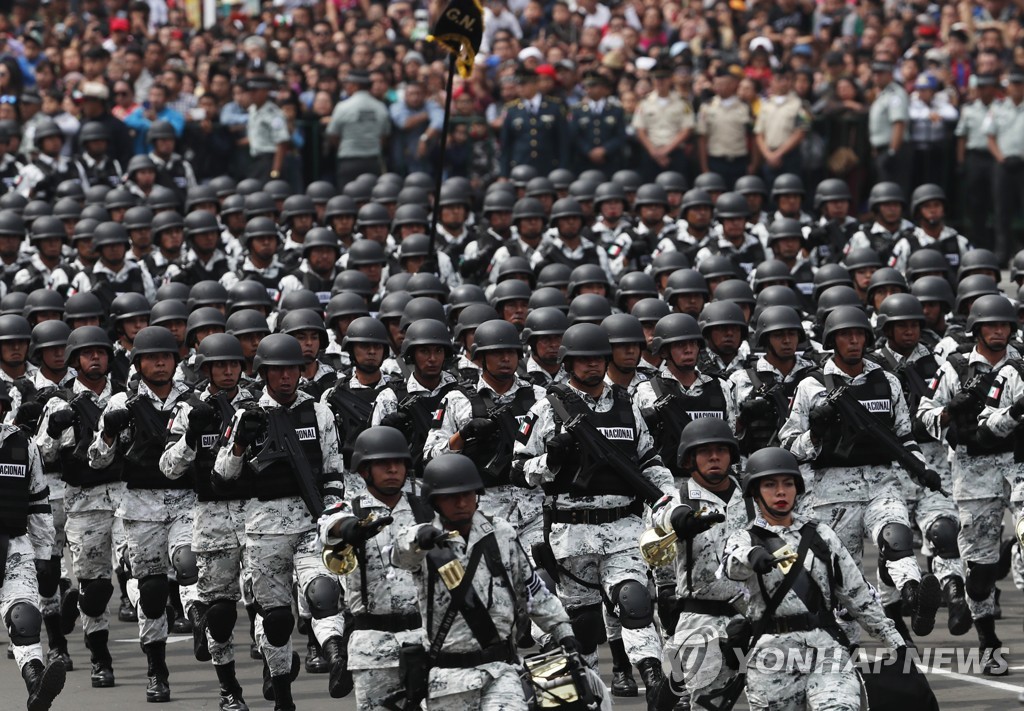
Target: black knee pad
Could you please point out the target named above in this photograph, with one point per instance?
(323, 595)
(186, 567)
(941, 537)
(895, 542)
(633, 604)
(981, 580)
(153, 593)
(588, 627)
(95, 596)
(48, 576)
(277, 625)
(23, 624)
(220, 620)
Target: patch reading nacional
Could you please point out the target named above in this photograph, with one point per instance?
(877, 405)
(623, 433)
(306, 433)
(12, 471)
(705, 414)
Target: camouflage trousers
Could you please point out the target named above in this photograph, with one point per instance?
(274, 560)
(323, 629)
(92, 538)
(20, 585)
(523, 508)
(775, 682)
(375, 685)
(51, 605)
(151, 547)
(693, 659)
(606, 572)
(220, 579)
(981, 526)
(491, 687)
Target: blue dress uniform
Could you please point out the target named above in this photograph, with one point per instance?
(594, 124)
(535, 133)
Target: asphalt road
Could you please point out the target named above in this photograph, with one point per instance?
(194, 686)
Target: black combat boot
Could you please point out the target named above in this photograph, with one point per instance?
(924, 598)
(282, 686)
(992, 664)
(230, 690)
(340, 684)
(200, 645)
(44, 684)
(57, 642)
(315, 662)
(959, 614)
(102, 674)
(650, 672)
(158, 691)
(623, 683)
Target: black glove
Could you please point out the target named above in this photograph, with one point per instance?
(478, 428)
(570, 644)
(355, 531)
(59, 421)
(429, 536)
(201, 418)
(821, 419)
(930, 479)
(761, 561)
(1017, 409)
(397, 419)
(652, 416)
(28, 413)
(249, 425)
(687, 523)
(560, 449)
(961, 400)
(114, 422)
(756, 409)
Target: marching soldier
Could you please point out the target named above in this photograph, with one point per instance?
(730, 237)
(172, 171)
(38, 179)
(626, 335)
(694, 225)
(706, 509)
(27, 531)
(959, 392)
(468, 622)
(824, 574)
(591, 527)
(95, 160)
(534, 131)
(219, 516)
(828, 236)
(157, 512)
(292, 487)
(381, 597)
(112, 274)
(860, 480)
(886, 202)
(542, 334)
(66, 430)
(928, 208)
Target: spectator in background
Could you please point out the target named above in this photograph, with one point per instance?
(663, 123)
(932, 120)
(94, 97)
(153, 109)
(723, 130)
(416, 123)
(782, 123)
(975, 161)
(598, 127)
(1006, 142)
(887, 127)
(124, 100)
(359, 125)
(844, 113)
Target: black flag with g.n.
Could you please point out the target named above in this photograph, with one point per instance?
(460, 29)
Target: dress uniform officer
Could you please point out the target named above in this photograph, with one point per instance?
(828, 575)
(664, 122)
(723, 130)
(535, 131)
(157, 512)
(591, 530)
(598, 127)
(280, 532)
(66, 430)
(861, 480)
(267, 130)
(1006, 142)
(959, 392)
(473, 655)
(976, 159)
(707, 508)
(887, 128)
(26, 530)
(381, 597)
(219, 516)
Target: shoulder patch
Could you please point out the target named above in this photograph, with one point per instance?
(526, 428)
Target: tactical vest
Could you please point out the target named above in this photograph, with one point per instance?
(554, 255)
(278, 480)
(149, 437)
(476, 269)
(949, 247)
(763, 431)
(840, 448)
(319, 286)
(352, 408)
(617, 425)
(420, 407)
(685, 248)
(963, 429)
(746, 259)
(196, 272)
(914, 378)
(120, 364)
(681, 411)
(75, 469)
(269, 283)
(804, 276)
(173, 175)
(207, 445)
(883, 242)
(494, 458)
(46, 189)
(38, 281)
(14, 485)
(105, 173)
(107, 290)
(8, 175)
(316, 388)
(832, 238)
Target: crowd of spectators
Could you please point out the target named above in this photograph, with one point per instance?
(748, 86)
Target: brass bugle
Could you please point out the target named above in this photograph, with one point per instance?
(339, 559)
(658, 549)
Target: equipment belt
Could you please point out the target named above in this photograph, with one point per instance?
(388, 623)
(794, 623)
(500, 652)
(595, 516)
(715, 608)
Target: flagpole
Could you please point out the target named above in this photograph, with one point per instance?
(439, 168)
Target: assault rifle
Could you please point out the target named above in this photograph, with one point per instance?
(961, 424)
(283, 445)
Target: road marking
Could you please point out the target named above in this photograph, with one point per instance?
(976, 680)
(170, 640)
